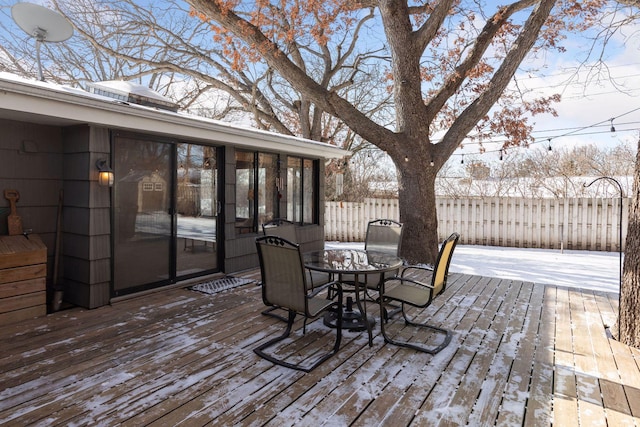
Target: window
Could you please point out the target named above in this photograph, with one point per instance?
(259, 189)
(302, 190)
(256, 192)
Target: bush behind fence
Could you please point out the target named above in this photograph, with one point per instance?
(574, 223)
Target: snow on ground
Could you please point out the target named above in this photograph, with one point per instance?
(577, 269)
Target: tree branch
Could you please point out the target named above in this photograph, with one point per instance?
(277, 59)
(501, 78)
(482, 43)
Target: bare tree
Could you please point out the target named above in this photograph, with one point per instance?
(542, 173)
(161, 45)
(627, 327)
(449, 65)
(314, 69)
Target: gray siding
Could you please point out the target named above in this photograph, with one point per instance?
(32, 162)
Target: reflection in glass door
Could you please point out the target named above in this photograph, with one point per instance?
(166, 207)
(197, 209)
(142, 221)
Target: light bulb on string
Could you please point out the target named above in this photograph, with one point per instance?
(550, 149)
(462, 159)
(613, 129)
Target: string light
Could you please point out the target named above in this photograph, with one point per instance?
(462, 160)
(431, 163)
(576, 131)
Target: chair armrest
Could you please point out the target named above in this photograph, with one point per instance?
(410, 268)
(318, 289)
(407, 279)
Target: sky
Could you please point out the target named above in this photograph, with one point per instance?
(591, 96)
(576, 269)
(593, 92)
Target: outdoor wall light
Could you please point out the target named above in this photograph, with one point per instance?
(105, 173)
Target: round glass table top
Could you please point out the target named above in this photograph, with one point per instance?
(351, 261)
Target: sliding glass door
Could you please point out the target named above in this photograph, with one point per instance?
(166, 206)
(142, 221)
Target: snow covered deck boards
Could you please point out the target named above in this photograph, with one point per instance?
(522, 354)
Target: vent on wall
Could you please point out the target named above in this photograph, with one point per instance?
(132, 93)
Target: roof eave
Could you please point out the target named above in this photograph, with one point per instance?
(76, 107)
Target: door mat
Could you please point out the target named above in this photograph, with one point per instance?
(222, 284)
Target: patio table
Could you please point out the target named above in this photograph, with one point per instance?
(356, 263)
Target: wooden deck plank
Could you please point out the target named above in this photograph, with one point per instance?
(628, 362)
(336, 400)
(565, 397)
(624, 358)
(180, 357)
(387, 380)
(538, 408)
(470, 304)
(83, 348)
(516, 390)
(402, 385)
(590, 406)
(196, 355)
(614, 398)
(100, 367)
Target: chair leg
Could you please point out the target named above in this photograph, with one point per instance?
(292, 314)
(395, 309)
(431, 350)
(270, 312)
(339, 308)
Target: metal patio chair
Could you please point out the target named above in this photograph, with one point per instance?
(287, 230)
(282, 228)
(284, 285)
(383, 235)
(408, 290)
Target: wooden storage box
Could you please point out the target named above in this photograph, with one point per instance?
(23, 278)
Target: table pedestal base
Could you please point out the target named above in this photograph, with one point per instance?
(351, 319)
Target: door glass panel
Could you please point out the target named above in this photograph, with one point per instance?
(245, 192)
(308, 193)
(196, 209)
(267, 190)
(294, 189)
(142, 223)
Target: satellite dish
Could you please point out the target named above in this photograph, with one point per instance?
(45, 25)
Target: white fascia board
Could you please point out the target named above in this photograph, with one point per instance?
(74, 105)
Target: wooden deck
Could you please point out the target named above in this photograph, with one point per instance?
(522, 354)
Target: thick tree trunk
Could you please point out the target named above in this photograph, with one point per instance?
(627, 329)
(418, 211)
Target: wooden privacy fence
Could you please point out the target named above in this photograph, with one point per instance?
(575, 223)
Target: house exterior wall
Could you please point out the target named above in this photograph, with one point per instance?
(32, 162)
(44, 162)
(87, 221)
